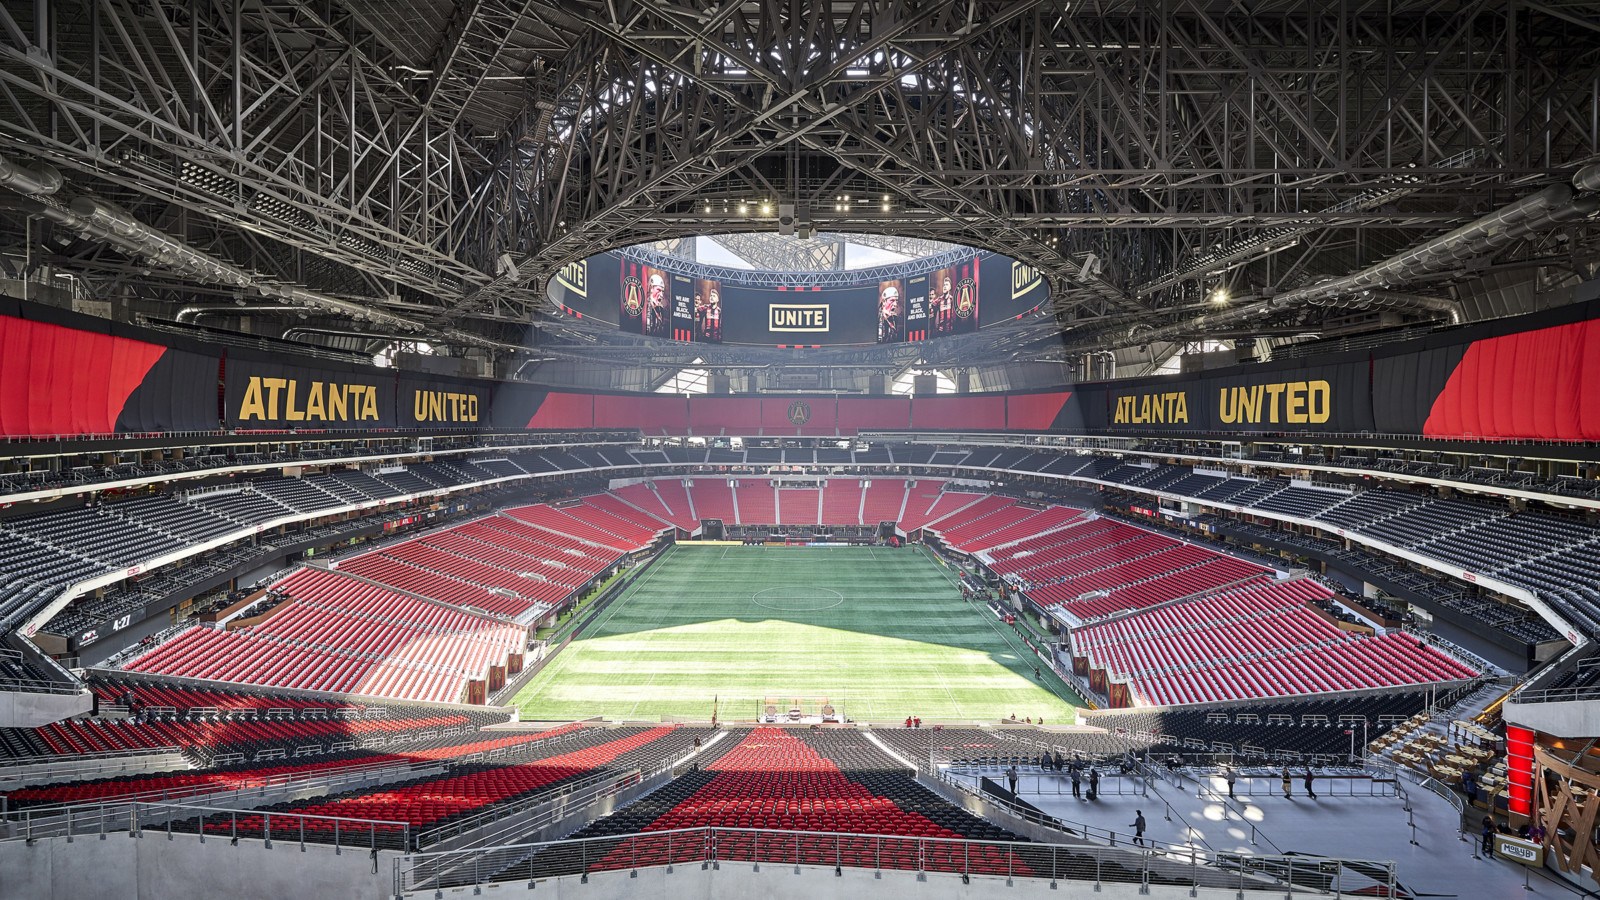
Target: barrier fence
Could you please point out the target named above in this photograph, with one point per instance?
(712, 847)
(141, 818)
(38, 821)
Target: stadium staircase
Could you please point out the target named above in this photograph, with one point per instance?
(821, 782)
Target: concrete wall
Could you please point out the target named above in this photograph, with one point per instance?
(155, 868)
(1567, 719)
(152, 867)
(738, 881)
(24, 710)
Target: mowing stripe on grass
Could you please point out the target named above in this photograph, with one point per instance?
(882, 635)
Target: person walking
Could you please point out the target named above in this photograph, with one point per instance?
(1077, 780)
(1288, 785)
(1011, 777)
(1094, 784)
(1311, 790)
(1138, 827)
(1469, 786)
(1232, 778)
(1488, 837)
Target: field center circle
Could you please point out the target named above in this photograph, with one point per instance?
(797, 598)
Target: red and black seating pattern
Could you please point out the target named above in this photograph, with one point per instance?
(206, 724)
(229, 778)
(468, 789)
(798, 781)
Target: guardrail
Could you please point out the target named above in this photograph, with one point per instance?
(43, 821)
(1556, 695)
(181, 818)
(557, 806)
(712, 847)
(1053, 783)
(72, 768)
(37, 686)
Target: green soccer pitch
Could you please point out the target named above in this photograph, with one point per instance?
(881, 633)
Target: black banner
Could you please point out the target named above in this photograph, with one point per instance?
(1406, 385)
(179, 393)
(424, 402)
(515, 403)
(1269, 398)
(264, 394)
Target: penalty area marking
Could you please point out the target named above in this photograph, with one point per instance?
(797, 599)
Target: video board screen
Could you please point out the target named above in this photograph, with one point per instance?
(958, 298)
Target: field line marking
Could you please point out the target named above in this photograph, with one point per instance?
(549, 675)
(1022, 652)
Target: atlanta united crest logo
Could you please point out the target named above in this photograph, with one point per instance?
(966, 299)
(633, 296)
(799, 412)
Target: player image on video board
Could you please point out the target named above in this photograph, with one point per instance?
(682, 308)
(708, 311)
(891, 312)
(645, 301)
(953, 298)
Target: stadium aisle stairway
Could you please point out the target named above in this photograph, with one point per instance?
(638, 525)
(673, 495)
(883, 498)
(828, 781)
(756, 502)
(574, 521)
(1021, 523)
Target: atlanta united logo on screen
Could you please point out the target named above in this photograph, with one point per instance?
(966, 299)
(799, 412)
(633, 296)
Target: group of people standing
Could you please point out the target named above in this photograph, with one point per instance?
(1077, 772)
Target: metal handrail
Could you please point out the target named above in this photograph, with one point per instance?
(603, 784)
(714, 846)
(1556, 695)
(321, 780)
(136, 817)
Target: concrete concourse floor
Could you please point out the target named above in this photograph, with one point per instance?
(1345, 821)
